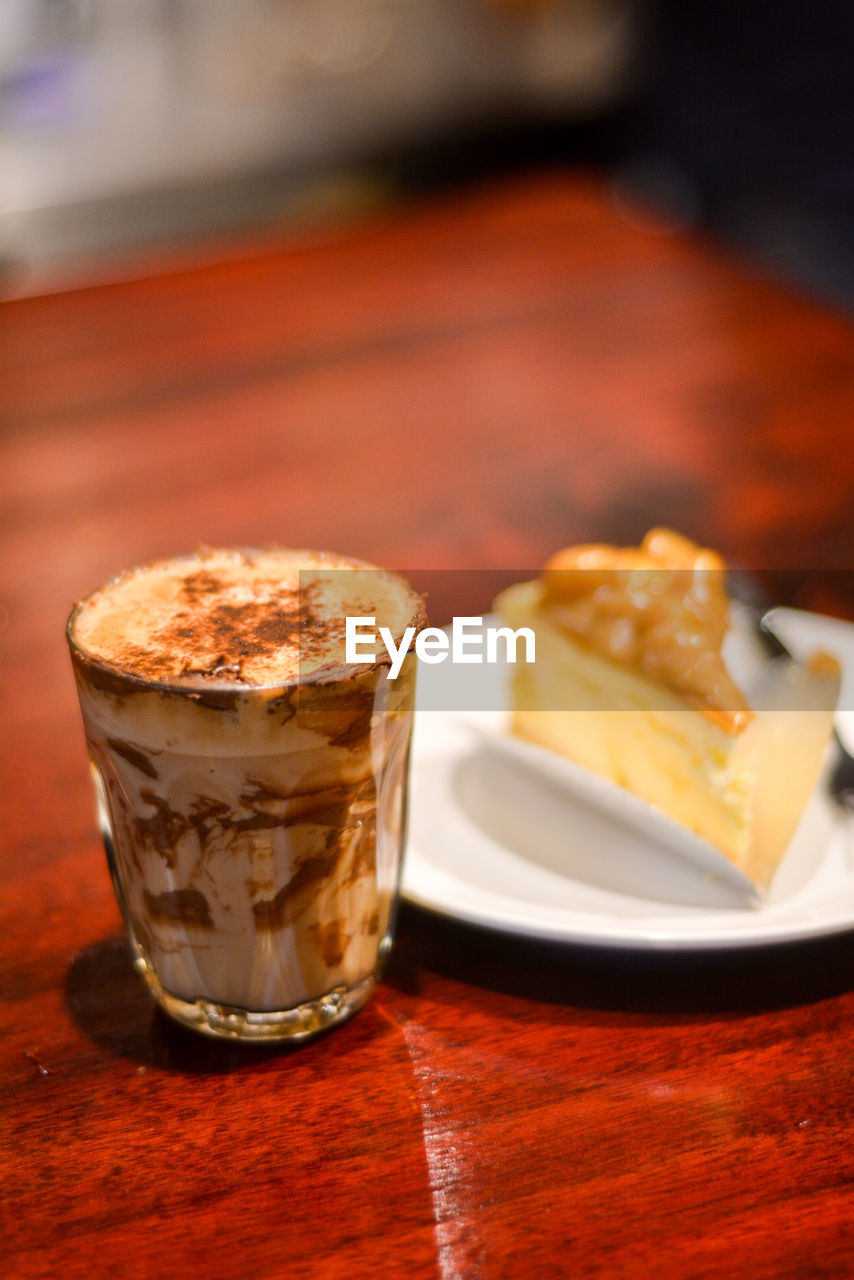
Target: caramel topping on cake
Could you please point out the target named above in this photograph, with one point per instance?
(661, 608)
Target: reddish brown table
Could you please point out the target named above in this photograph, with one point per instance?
(466, 384)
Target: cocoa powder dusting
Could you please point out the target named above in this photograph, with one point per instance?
(226, 635)
(223, 622)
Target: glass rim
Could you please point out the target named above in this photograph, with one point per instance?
(225, 692)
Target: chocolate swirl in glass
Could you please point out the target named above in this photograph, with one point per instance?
(251, 784)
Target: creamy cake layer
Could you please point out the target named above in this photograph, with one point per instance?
(613, 721)
(740, 781)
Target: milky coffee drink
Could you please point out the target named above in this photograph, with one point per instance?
(251, 785)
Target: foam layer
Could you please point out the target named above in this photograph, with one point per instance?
(226, 618)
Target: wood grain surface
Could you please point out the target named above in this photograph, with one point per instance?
(467, 383)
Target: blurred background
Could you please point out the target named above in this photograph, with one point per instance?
(134, 123)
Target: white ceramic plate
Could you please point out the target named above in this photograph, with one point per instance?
(493, 843)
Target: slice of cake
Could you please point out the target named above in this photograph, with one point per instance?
(630, 682)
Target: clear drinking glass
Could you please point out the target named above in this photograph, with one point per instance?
(254, 836)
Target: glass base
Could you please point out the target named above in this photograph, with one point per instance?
(226, 1022)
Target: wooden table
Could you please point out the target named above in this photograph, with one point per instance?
(469, 383)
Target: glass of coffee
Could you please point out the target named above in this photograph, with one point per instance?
(251, 784)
